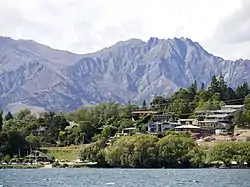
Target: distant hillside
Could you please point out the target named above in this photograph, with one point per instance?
(40, 77)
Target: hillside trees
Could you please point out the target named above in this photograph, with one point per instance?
(1, 120)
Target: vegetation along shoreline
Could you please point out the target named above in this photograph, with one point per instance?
(194, 128)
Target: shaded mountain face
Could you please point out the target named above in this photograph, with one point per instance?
(41, 78)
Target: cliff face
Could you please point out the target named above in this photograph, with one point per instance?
(40, 77)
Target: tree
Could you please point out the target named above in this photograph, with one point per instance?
(8, 116)
(242, 91)
(197, 156)
(230, 151)
(222, 87)
(133, 151)
(202, 86)
(93, 152)
(33, 142)
(144, 104)
(159, 102)
(247, 102)
(173, 150)
(106, 132)
(1, 120)
(192, 90)
(214, 85)
(23, 113)
(238, 118)
(229, 94)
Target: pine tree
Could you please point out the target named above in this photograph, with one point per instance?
(192, 90)
(144, 104)
(202, 86)
(8, 116)
(222, 87)
(242, 91)
(247, 102)
(214, 86)
(1, 120)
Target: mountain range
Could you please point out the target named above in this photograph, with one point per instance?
(38, 77)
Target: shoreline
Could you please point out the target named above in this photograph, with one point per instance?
(9, 166)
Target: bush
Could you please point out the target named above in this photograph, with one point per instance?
(6, 158)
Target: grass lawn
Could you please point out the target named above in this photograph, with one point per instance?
(69, 153)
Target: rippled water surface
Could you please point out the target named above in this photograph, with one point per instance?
(125, 177)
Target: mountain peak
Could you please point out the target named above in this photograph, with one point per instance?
(40, 77)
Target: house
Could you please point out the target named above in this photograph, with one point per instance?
(188, 121)
(161, 117)
(217, 121)
(188, 128)
(39, 156)
(226, 109)
(233, 107)
(156, 127)
(126, 132)
(129, 130)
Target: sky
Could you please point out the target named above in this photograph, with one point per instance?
(222, 27)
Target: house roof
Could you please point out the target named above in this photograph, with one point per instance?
(222, 111)
(129, 128)
(162, 115)
(217, 116)
(145, 112)
(208, 121)
(41, 154)
(187, 127)
(232, 106)
(187, 120)
(200, 111)
(219, 111)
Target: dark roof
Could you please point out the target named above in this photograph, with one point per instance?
(40, 154)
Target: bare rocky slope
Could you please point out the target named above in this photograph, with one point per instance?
(41, 78)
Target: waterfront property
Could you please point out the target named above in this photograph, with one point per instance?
(39, 156)
(161, 117)
(155, 127)
(217, 121)
(208, 121)
(188, 128)
(188, 121)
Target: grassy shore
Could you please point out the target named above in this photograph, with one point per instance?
(69, 153)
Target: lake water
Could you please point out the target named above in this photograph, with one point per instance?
(125, 177)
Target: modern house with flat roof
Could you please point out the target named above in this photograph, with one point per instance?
(188, 128)
(188, 121)
(218, 120)
(233, 107)
(161, 117)
(156, 127)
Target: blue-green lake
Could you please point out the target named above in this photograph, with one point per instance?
(125, 177)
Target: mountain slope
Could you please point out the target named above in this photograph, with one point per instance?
(37, 76)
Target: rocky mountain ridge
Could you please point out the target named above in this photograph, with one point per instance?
(41, 78)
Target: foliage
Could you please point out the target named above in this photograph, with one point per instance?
(230, 151)
(33, 141)
(93, 153)
(25, 131)
(159, 103)
(144, 105)
(173, 150)
(1, 120)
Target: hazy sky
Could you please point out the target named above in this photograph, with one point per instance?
(221, 26)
